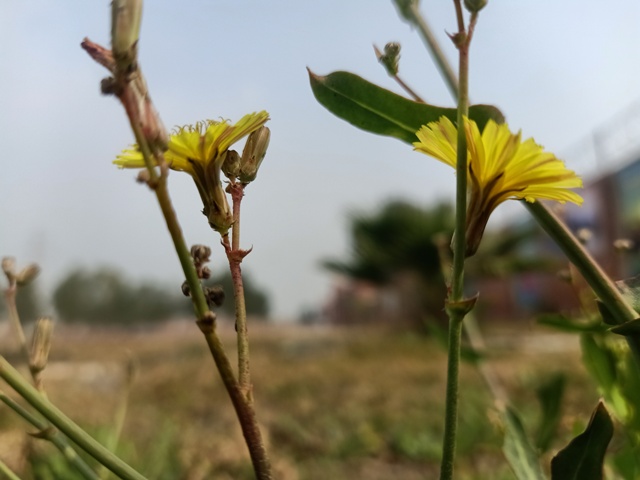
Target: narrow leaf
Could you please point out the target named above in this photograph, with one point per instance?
(550, 396)
(518, 450)
(583, 458)
(377, 110)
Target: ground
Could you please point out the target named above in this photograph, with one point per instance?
(333, 403)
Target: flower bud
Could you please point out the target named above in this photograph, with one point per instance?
(254, 152)
(390, 58)
(125, 29)
(40, 344)
(28, 274)
(474, 6)
(231, 165)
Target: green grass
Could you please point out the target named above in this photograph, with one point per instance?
(337, 404)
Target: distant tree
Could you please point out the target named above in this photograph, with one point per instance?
(104, 297)
(396, 245)
(256, 299)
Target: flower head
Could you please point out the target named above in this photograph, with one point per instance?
(500, 167)
(200, 150)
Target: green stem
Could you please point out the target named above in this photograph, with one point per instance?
(65, 424)
(599, 281)
(54, 436)
(416, 19)
(451, 411)
(7, 472)
(456, 315)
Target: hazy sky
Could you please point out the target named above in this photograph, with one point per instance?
(556, 69)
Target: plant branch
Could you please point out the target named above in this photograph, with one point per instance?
(65, 424)
(51, 434)
(412, 15)
(599, 281)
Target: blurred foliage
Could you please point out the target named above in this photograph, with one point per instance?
(256, 299)
(104, 296)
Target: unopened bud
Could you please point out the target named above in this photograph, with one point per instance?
(126, 16)
(186, 291)
(254, 152)
(231, 165)
(474, 6)
(28, 274)
(205, 273)
(40, 344)
(214, 295)
(390, 58)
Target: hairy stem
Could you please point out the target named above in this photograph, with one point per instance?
(235, 256)
(65, 424)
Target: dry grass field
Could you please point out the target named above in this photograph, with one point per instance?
(333, 403)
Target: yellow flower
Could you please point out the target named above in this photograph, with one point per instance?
(200, 150)
(500, 167)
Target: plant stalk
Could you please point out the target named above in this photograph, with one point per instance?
(599, 281)
(51, 434)
(65, 424)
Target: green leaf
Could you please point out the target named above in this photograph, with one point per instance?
(567, 324)
(583, 458)
(519, 452)
(630, 328)
(377, 110)
(550, 396)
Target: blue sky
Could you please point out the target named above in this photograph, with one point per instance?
(556, 69)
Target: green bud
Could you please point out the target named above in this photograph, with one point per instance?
(254, 152)
(40, 344)
(474, 6)
(28, 274)
(231, 165)
(390, 57)
(404, 8)
(125, 29)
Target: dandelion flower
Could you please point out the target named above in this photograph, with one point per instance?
(200, 150)
(500, 167)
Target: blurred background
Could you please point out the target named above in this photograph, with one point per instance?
(344, 225)
(563, 73)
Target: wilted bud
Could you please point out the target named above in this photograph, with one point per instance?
(186, 291)
(200, 254)
(254, 152)
(231, 165)
(218, 212)
(28, 274)
(125, 29)
(9, 268)
(474, 6)
(40, 344)
(205, 273)
(214, 295)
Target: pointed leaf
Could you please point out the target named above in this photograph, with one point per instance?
(583, 458)
(567, 324)
(519, 452)
(377, 110)
(550, 396)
